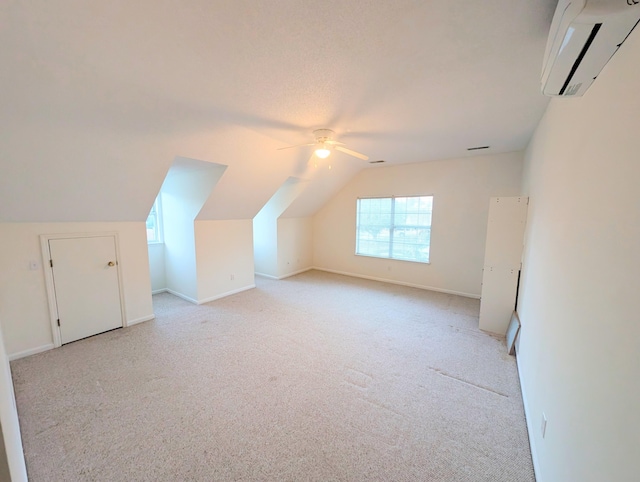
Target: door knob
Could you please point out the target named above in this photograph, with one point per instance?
(111, 263)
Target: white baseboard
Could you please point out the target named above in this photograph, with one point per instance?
(32, 351)
(184, 297)
(224, 295)
(295, 273)
(140, 320)
(157, 292)
(401, 283)
(263, 275)
(529, 420)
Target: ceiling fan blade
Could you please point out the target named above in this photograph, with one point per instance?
(334, 143)
(352, 153)
(298, 145)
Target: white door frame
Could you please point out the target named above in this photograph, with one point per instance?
(49, 283)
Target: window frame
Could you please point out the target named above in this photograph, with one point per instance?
(156, 210)
(392, 226)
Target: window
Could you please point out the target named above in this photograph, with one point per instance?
(154, 225)
(394, 227)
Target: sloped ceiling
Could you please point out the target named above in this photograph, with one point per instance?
(100, 97)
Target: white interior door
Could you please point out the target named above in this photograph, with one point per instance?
(87, 290)
(503, 252)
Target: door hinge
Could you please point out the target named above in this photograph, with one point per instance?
(51, 263)
(58, 321)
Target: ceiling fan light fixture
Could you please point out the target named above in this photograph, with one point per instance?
(322, 152)
(325, 143)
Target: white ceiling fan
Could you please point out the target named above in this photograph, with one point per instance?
(325, 143)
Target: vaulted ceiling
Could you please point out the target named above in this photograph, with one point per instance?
(100, 97)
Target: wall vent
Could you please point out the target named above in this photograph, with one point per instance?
(477, 148)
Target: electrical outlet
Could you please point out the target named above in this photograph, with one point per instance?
(543, 425)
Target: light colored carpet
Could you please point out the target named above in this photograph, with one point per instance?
(316, 377)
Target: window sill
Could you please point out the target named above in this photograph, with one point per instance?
(393, 259)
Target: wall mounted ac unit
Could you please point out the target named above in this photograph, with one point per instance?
(584, 36)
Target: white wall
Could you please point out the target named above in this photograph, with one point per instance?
(187, 187)
(12, 440)
(579, 352)
(224, 249)
(461, 190)
(24, 311)
(179, 247)
(265, 243)
(265, 227)
(295, 245)
(156, 267)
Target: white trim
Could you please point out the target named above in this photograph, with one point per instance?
(401, 283)
(224, 295)
(157, 292)
(392, 259)
(10, 430)
(212, 298)
(530, 428)
(140, 320)
(157, 206)
(391, 226)
(295, 273)
(184, 297)
(31, 351)
(263, 275)
(50, 288)
(50, 285)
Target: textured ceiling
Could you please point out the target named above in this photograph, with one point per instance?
(100, 97)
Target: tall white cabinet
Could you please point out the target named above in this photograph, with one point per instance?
(503, 254)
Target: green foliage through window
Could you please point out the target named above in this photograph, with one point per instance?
(154, 232)
(395, 227)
